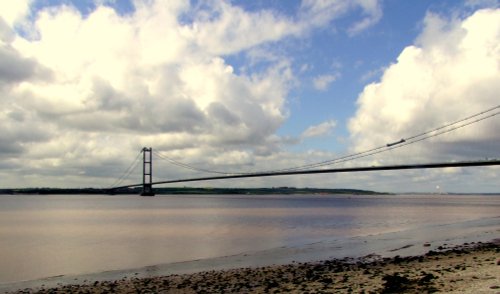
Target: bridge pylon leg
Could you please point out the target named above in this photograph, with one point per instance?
(147, 172)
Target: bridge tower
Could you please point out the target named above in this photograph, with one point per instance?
(147, 172)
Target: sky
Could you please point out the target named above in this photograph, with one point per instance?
(246, 86)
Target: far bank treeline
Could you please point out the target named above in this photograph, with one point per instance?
(188, 190)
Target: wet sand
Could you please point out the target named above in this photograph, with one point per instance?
(468, 268)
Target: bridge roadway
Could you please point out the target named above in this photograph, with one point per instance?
(492, 162)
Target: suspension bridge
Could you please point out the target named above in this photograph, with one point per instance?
(318, 167)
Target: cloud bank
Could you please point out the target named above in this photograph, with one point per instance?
(451, 72)
(448, 74)
(82, 93)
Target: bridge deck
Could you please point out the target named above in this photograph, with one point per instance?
(325, 171)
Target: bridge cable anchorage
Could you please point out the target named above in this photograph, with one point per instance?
(127, 172)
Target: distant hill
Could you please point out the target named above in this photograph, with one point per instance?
(190, 190)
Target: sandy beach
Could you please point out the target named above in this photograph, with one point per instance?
(468, 268)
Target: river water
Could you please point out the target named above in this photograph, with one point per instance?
(44, 236)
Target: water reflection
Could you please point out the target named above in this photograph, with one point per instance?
(52, 235)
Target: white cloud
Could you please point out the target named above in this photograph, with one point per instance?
(373, 13)
(234, 29)
(452, 72)
(320, 13)
(323, 129)
(305, 67)
(13, 11)
(80, 92)
(104, 2)
(482, 3)
(372, 74)
(97, 88)
(322, 82)
(89, 91)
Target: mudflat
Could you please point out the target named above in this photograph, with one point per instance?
(468, 268)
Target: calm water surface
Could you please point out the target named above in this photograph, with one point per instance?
(43, 236)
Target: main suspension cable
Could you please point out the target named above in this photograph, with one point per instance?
(187, 166)
(128, 171)
(399, 144)
(380, 149)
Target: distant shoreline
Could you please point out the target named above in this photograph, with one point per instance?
(214, 191)
(190, 190)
